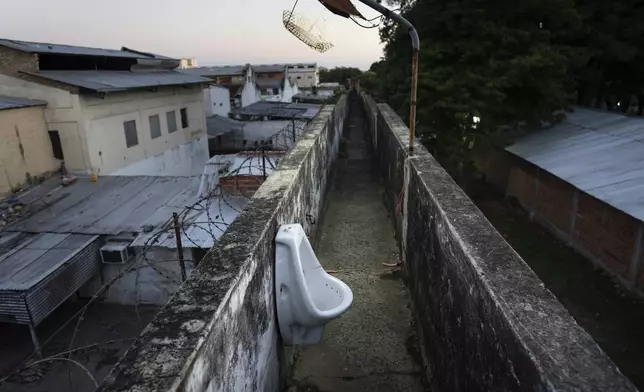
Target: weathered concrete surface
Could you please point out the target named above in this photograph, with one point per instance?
(366, 349)
(219, 331)
(485, 320)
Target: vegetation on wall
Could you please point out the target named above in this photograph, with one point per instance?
(338, 74)
(487, 66)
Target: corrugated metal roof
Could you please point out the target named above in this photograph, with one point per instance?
(220, 125)
(269, 68)
(112, 205)
(16, 103)
(599, 153)
(106, 81)
(37, 256)
(227, 70)
(280, 110)
(43, 47)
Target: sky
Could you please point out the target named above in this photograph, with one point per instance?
(215, 32)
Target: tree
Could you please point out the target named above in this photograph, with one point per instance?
(339, 74)
(499, 63)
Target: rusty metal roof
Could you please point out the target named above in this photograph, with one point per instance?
(17, 103)
(597, 152)
(49, 48)
(110, 81)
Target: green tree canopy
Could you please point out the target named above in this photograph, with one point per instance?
(339, 74)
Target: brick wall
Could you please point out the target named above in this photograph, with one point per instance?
(12, 62)
(600, 232)
(605, 232)
(241, 185)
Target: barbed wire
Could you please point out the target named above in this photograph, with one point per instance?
(206, 213)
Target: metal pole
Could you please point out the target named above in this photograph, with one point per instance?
(264, 161)
(177, 233)
(415, 43)
(293, 124)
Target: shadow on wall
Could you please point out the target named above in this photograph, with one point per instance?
(485, 320)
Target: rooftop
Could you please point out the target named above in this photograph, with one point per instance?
(111, 81)
(227, 70)
(279, 110)
(7, 102)
(49, 48)
(576, 152)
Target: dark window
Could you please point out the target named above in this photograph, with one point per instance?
(276, 91)
(155, 126)
(56, 146)
(171, 118)
(299, 77)
(184, 118)
(131, 138)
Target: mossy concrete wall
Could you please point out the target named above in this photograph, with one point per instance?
(485, 320)
(219, 331)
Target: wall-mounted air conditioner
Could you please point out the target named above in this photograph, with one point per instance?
(116, 253)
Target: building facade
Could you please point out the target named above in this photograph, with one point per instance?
(26, 147)
(135, 108)
(305, 75)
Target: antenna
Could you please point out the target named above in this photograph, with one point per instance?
(305, 31)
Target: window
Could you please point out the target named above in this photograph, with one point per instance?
(267, 91)
(310, 77)
(131, 138)
(171, 119)
(276, 91)
(56, 146)
(155, 126)
(184, 118)
(299, 77)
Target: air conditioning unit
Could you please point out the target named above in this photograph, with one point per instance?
(116, 253)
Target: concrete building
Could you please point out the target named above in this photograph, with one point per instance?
(188, 62)
(238, 79)
(217, 100)
(110, 108)
(305, 75)
(583, 180)
(28, 153)
(274, 83)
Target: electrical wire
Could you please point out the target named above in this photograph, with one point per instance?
(373, 26)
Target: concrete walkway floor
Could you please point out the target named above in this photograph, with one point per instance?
(371, 347)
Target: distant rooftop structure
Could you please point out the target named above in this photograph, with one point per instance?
(48, 48)
(597, 152)
(228, 70)
(109, 81)
(278, 110)
(7, 102)
(270, 82)
(269, 68)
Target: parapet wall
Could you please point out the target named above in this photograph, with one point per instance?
(219, 331)
(486, 321)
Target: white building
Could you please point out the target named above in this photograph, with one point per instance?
(277, 90)
(188, 62)
(238, 79)
(217, 100)
(109, 108)
(306, 75)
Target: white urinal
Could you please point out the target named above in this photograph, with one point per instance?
(307, 296)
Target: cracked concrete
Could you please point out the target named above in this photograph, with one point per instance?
(372, 347)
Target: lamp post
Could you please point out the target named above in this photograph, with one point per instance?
(346, 9)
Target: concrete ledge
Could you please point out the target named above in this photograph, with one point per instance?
(219, 331)
(486, 321)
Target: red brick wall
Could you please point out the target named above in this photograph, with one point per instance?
(553, 201)
(601, 231)
(605, 232)
(241, 185)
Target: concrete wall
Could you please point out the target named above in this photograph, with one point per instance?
(304, 77)
(188, 159)
(25, 148)
(62, 114)
(485, 320)
(216, 101)
(606, 236)
(104, 118)
(219, 331)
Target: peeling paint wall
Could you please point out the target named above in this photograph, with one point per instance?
(485, 320)
(219, 331)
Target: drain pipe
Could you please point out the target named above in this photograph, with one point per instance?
(415, 43)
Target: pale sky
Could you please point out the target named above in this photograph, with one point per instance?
(216, 32)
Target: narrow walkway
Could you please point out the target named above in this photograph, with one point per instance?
(370, 347)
